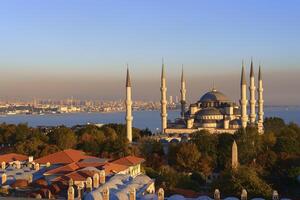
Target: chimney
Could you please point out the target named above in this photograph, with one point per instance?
(37, 167)
(105, 193)
(132, 195)
(96, 180)
(160, 194)
(29, 178)
(89, 184)
(49, 195)
(3, 165)
(18, 164)
(102, 177)
(3, 178)
(30, 159)
(244, 195)
(275, 195)
(217, 195)
(71, 182)
(71, 193)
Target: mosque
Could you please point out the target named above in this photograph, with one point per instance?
(214, 111)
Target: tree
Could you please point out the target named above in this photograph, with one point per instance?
(63, 137)
(30, 147)
(288, 141)
(120, 130)
(224, 150)
(21, 133)
(91, 139)
(168, 177)
(6, 133)
(152, 150)
(206, 165)
(273, 124)
(249, 143)
(206, 144)
(232, 182)
(48, 149)
(187, 157)
(145, 132)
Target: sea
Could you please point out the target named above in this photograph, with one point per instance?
(141, 119)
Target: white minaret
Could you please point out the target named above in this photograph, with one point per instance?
(128, 103)
(260, 103)
(252, 95)
(163, 89)
(183, 94)
(243, 100)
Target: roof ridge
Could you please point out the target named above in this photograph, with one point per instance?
(127, 158)
(68, 154)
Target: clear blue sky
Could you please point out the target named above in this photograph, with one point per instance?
(82, 45)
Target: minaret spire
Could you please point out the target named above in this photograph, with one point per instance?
(252, 95)
(243, 100)
(128, 81)
(183, 94)
(128, 103)
(163, 89)
(260, 102)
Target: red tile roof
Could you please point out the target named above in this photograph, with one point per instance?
(66, 169)
(90, 164)
(129, 161)
(10, 157)
(63, 157)
(112, 168)
(80, 175)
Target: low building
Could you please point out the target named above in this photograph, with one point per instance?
(133, 162)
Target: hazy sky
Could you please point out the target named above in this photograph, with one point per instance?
(61, 48)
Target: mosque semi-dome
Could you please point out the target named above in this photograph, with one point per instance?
(213, 96)
(209, 111)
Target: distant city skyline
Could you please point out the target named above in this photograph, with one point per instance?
(58, 49)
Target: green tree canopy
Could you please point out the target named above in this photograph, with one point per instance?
(63, 137)
(233, 182)
(187, 157)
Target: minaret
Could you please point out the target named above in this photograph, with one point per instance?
(252, 95)
(128, 103)
(243, 100)
(163, 101)
(183, 94)
(234, 156)
(260, 103)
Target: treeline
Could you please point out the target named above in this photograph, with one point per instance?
(267, 162)
(107, 141)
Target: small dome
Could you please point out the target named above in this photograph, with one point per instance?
(209, 111)
(212, 96)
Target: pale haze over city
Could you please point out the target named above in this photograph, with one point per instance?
(58, 49)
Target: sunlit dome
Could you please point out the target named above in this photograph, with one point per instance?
(213, 96)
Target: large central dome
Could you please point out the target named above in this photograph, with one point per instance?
(213, 96)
